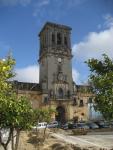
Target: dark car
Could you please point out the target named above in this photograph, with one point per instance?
(111, 124)
(92, 125)
(68, 125)
(102, 124)
(82, 126)
(64, 126)
(71, 126)
(107, 124)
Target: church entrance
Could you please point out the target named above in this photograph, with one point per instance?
(60, 91)
(60, 116)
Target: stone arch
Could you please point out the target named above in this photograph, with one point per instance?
(61, 114)
(60, 93)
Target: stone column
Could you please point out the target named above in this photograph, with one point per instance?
(62, 38)
(48, 38)
(69, 40)
(55, 37)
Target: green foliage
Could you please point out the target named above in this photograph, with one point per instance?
(43, 115)
(101, 80)
(6, 67)
(15, 112)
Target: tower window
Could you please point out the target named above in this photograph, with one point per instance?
(90, 100)
(53, 38)
(74, 101)
(65, 41)
(46, 100)
(61, 94)
(81, 103)
(59, 68)
(65, 77)
(68, 94)
(59, 41)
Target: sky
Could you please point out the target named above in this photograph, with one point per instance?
(21, 21)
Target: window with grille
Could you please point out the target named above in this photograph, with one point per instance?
(81, 103)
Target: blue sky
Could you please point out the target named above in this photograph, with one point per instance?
(21, 21)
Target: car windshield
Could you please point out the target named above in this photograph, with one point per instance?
(55, 123)
(92, 124)
(101, 123)
(39, 125)
(81, 125)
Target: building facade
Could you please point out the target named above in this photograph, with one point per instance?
(56, 88)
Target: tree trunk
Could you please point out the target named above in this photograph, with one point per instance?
(17, 139)
(4, 146)
(12, 141)
(44, 133)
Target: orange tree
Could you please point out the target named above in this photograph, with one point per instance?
(15, 112)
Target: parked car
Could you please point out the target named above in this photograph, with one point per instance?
(102, 124)
(92, 125)
(53, 124)
(107, 124)
(40, 125)
(64, 126)
(111, 124)
(70, 125)
(82, 126)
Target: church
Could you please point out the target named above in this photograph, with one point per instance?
(56, 88)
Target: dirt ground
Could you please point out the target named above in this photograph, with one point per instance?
(34, 141)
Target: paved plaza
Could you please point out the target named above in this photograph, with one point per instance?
(93, 140)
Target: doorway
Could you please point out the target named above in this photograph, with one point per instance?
(60, 116)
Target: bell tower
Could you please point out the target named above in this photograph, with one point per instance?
(55, 54)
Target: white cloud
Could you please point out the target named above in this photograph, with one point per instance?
(75, 75)
(14, 2)
(31, 74)
(94, 45)
(28, 74)
(74, 3)
(41, 4)
(40, 7)
(108, 20)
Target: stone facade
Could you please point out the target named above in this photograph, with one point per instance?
(56, 88)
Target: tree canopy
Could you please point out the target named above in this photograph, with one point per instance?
(15, 112)
(101, 81)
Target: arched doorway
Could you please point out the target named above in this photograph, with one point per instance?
(60, 92)
(60, 116)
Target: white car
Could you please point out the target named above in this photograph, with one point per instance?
(40, 125)
(53, 124)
